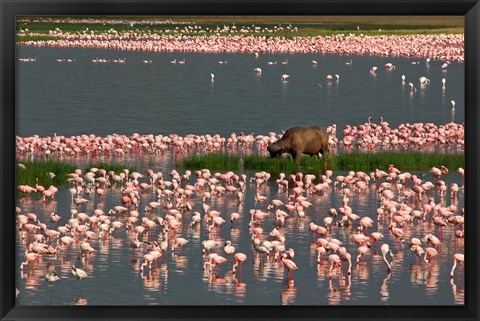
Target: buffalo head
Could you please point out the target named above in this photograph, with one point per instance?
(275, 150)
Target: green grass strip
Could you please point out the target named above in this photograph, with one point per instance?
(356, 161)
(41, 168)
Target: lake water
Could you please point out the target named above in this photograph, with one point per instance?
(82, 97)
(163, 98)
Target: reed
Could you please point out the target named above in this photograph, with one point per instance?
(356, 161)
(41, 169)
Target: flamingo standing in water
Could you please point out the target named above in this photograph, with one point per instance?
(29, 257)
(457, 258)
(51, 276)
(289, 264)
(461, 171)
(429, 253)
(385, 249)
(239, 259)
(333, 260)
(417, 249)
(179, 242)
(229, 249)
(79, 274)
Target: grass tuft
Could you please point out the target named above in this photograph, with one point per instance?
(41, 168)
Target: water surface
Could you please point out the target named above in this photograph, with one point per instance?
(82, 97)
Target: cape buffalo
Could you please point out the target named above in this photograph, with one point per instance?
(296, 141)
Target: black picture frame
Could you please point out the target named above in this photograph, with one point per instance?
(10, 9)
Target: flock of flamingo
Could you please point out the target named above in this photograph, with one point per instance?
(154, 208)
(369, 136)
(447, 48)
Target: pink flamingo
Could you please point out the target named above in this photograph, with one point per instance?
(289, 264)
(213, 260)
(347, 257)
(417, 249)
(461, 171)
(274, 203)
(29, 257)
(457, 258)
(429, 253)
(334, 260)
(234, 217)
(313, 228)
(361, 251)
(453, 192)
(320, 251)
(179, 242)
(217, 220)
(229, 249)
(239, 259)
(386, 249)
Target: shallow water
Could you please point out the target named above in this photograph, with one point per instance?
(115, 277)
(82, 97)
(163, 98)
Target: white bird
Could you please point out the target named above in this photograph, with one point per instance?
(329, 77)
(445, 65)
(212, 76)
(78, 273)
(389, 66)
(452, 104)
(314, 62)
(427, 61)
(373, 71)
(52, 277)
(411, 87)
(285, 77)
(424, 81)
(258, 70)
(337, 77)
(403, 79)
(443, 83)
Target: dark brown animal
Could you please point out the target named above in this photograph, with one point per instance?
(296, 141)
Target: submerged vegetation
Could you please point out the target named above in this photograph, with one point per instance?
(53, 172)
(356, 161)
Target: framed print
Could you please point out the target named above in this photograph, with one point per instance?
(203, 160)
